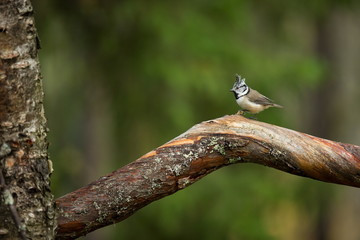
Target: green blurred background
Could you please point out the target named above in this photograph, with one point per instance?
(123, 77)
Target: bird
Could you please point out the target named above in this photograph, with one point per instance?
(249, 99)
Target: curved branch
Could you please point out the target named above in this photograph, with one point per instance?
(202, 149)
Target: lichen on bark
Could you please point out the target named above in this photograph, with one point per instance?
(24, 163)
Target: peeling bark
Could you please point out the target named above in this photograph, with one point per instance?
(26, 204)
(199, 151)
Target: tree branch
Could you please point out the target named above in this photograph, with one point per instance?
(202, 149)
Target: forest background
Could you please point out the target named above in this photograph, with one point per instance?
(123, 77)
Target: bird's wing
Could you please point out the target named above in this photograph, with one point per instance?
(256, 97)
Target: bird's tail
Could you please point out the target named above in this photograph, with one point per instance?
(277, 105)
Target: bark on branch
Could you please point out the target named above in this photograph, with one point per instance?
(199, 151)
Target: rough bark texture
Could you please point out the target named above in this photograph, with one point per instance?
(202, 149)
(26, 205)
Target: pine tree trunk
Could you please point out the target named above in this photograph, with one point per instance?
(26, 205)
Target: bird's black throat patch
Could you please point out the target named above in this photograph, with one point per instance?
(237, 95)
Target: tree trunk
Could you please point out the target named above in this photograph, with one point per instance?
(26, 206)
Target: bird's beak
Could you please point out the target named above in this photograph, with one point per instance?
(232, 90)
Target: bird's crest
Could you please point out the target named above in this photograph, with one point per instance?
(238, 82)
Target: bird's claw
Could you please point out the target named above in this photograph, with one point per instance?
(240, 112)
